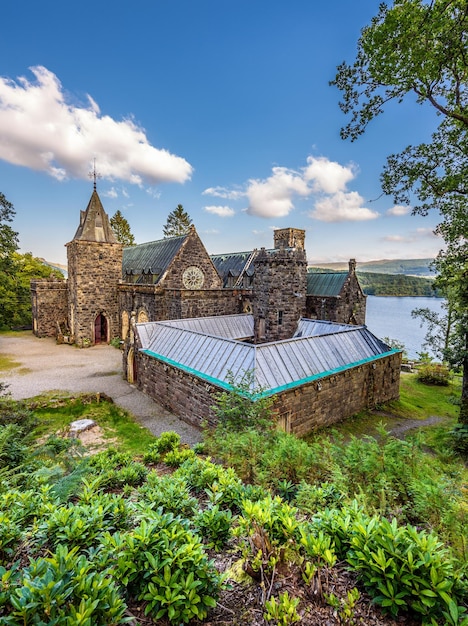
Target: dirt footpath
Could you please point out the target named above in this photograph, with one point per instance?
(40, 365)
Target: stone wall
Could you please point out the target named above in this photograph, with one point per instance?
(279, 288)
(192, 253)
(94, 271)
(347, 308)
(331, 399)
(166, 304)
(313, 405)
(49, 300)
(183, 394)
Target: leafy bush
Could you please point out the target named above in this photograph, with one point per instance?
(402, 568)
(434, 374)
(215, 524)
(171, 493)
(175, 458)
(166, 442)
(62, 589)
(163, 563)
(459, 436)
(81, 524)
(13, 451)
(236, 411)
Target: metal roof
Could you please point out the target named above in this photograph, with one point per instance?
(153, 257)
(239, 326)
(273, 366)
(310, 328)
(325, 283)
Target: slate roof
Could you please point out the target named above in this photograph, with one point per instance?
(275, 366)
(94, 223)
(232, 264)
(325, 283)
(153, 257)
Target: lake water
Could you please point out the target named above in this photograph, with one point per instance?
(391, 317)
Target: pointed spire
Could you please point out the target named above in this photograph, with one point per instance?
(94, 222)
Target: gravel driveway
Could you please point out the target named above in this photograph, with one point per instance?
(41, 365)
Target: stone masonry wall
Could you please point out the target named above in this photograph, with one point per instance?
(94, 271)
(279, 290)
(317, 404)
(183, 394)
(348, 308)
(166, 304)
(332, 399)
(49, 300)
(192, 252)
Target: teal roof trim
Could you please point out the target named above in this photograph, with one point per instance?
(326, 374)
(268, 392)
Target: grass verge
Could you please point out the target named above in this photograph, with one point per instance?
(55, 411)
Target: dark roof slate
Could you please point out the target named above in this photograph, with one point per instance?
(153, 257)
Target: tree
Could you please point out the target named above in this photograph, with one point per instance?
(178, 222)
(8, 245)
(419, 48)
(121, 229)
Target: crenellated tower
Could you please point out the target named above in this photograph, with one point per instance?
(280, 286)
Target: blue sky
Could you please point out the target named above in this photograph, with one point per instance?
(221, 106)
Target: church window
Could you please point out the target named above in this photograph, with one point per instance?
(280, 318)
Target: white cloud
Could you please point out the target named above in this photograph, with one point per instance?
(272, 197)
(412, 236)
(223, 192)
(221, 211)
(342, 207)
(42, 129)
(328, 176)
(398, 210)
(326, 180)
(112, 193)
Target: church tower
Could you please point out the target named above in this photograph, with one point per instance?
(280, 286)
(94, 271)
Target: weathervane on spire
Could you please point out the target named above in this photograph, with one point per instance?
(94, 174)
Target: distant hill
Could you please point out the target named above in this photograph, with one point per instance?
(56, 266)
(408, 267)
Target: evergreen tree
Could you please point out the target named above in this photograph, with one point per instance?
(121, 229)
(178, 222)
(419, 48)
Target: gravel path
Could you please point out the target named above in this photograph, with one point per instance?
(40, 365)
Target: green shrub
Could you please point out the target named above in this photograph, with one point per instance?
(282, 611)
(434, 374)
(311, 498)
(163, 563)
(459, 436)
(166, 442)
(171, 493)
(82, 524)
(175, 458)
(215, 524)
(402, 568)
(13, 450)
(62, 589)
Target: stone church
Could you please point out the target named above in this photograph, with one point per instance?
(247, 312)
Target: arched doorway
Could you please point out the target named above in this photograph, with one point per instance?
(100, 329)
